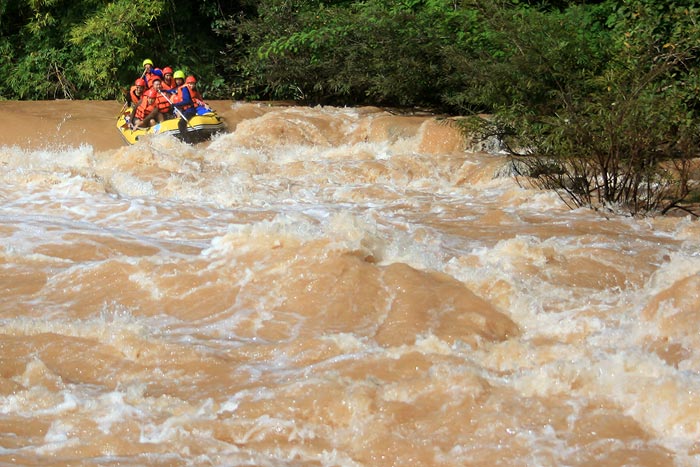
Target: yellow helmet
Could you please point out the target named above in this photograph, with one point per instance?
(179, 74)
(148, 61)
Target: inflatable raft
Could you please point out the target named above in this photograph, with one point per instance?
(198, 128)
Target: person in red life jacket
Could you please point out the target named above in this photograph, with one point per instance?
(162, 102)
(168, 79)
(136, 92)
(146, 114)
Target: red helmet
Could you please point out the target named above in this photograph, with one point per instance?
(167, 70)
(151, 93)
(140, 82)
(190, 79)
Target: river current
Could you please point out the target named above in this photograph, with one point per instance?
(325, 286)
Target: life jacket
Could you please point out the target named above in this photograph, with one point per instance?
(163, 105)
(178, 97)
(135, 99)
(144, 109)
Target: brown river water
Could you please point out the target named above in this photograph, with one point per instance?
(328, 287)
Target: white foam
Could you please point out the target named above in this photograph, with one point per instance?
(189, 208)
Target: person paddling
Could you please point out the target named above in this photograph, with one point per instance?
(184, 105)
(184, 99)
(191, 81)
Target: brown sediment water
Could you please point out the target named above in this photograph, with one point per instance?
(325, 286)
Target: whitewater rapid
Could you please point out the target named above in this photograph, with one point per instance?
(325, 286)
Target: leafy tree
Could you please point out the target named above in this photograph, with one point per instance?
(528, 58)
(94, 48)
(36, 65)
(106, 42)
(621, 134)
(375, 51)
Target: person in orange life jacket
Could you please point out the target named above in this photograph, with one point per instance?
(179, 79)
(168, 79)
(148, 70)
(136, 92)
(132, 116)
(146, 114)
(162, 103)
(196, 97)
(184, 98)
(194, 93)
(185, 106)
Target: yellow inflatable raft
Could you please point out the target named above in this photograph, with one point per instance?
(199, 127)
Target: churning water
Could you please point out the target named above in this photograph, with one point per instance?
(328, 287)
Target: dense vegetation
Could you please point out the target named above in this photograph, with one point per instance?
(597, 99)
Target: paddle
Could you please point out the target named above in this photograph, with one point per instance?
(122, 110)
(126, 102)
(175, 109)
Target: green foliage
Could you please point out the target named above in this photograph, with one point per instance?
(528, 57)
(350, 52)
(106, 42)
(94, 48)
(621, 134)
(33, 67)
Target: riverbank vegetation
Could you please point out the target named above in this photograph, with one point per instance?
(596, 99)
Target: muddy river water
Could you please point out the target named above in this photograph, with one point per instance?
(325, 286)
